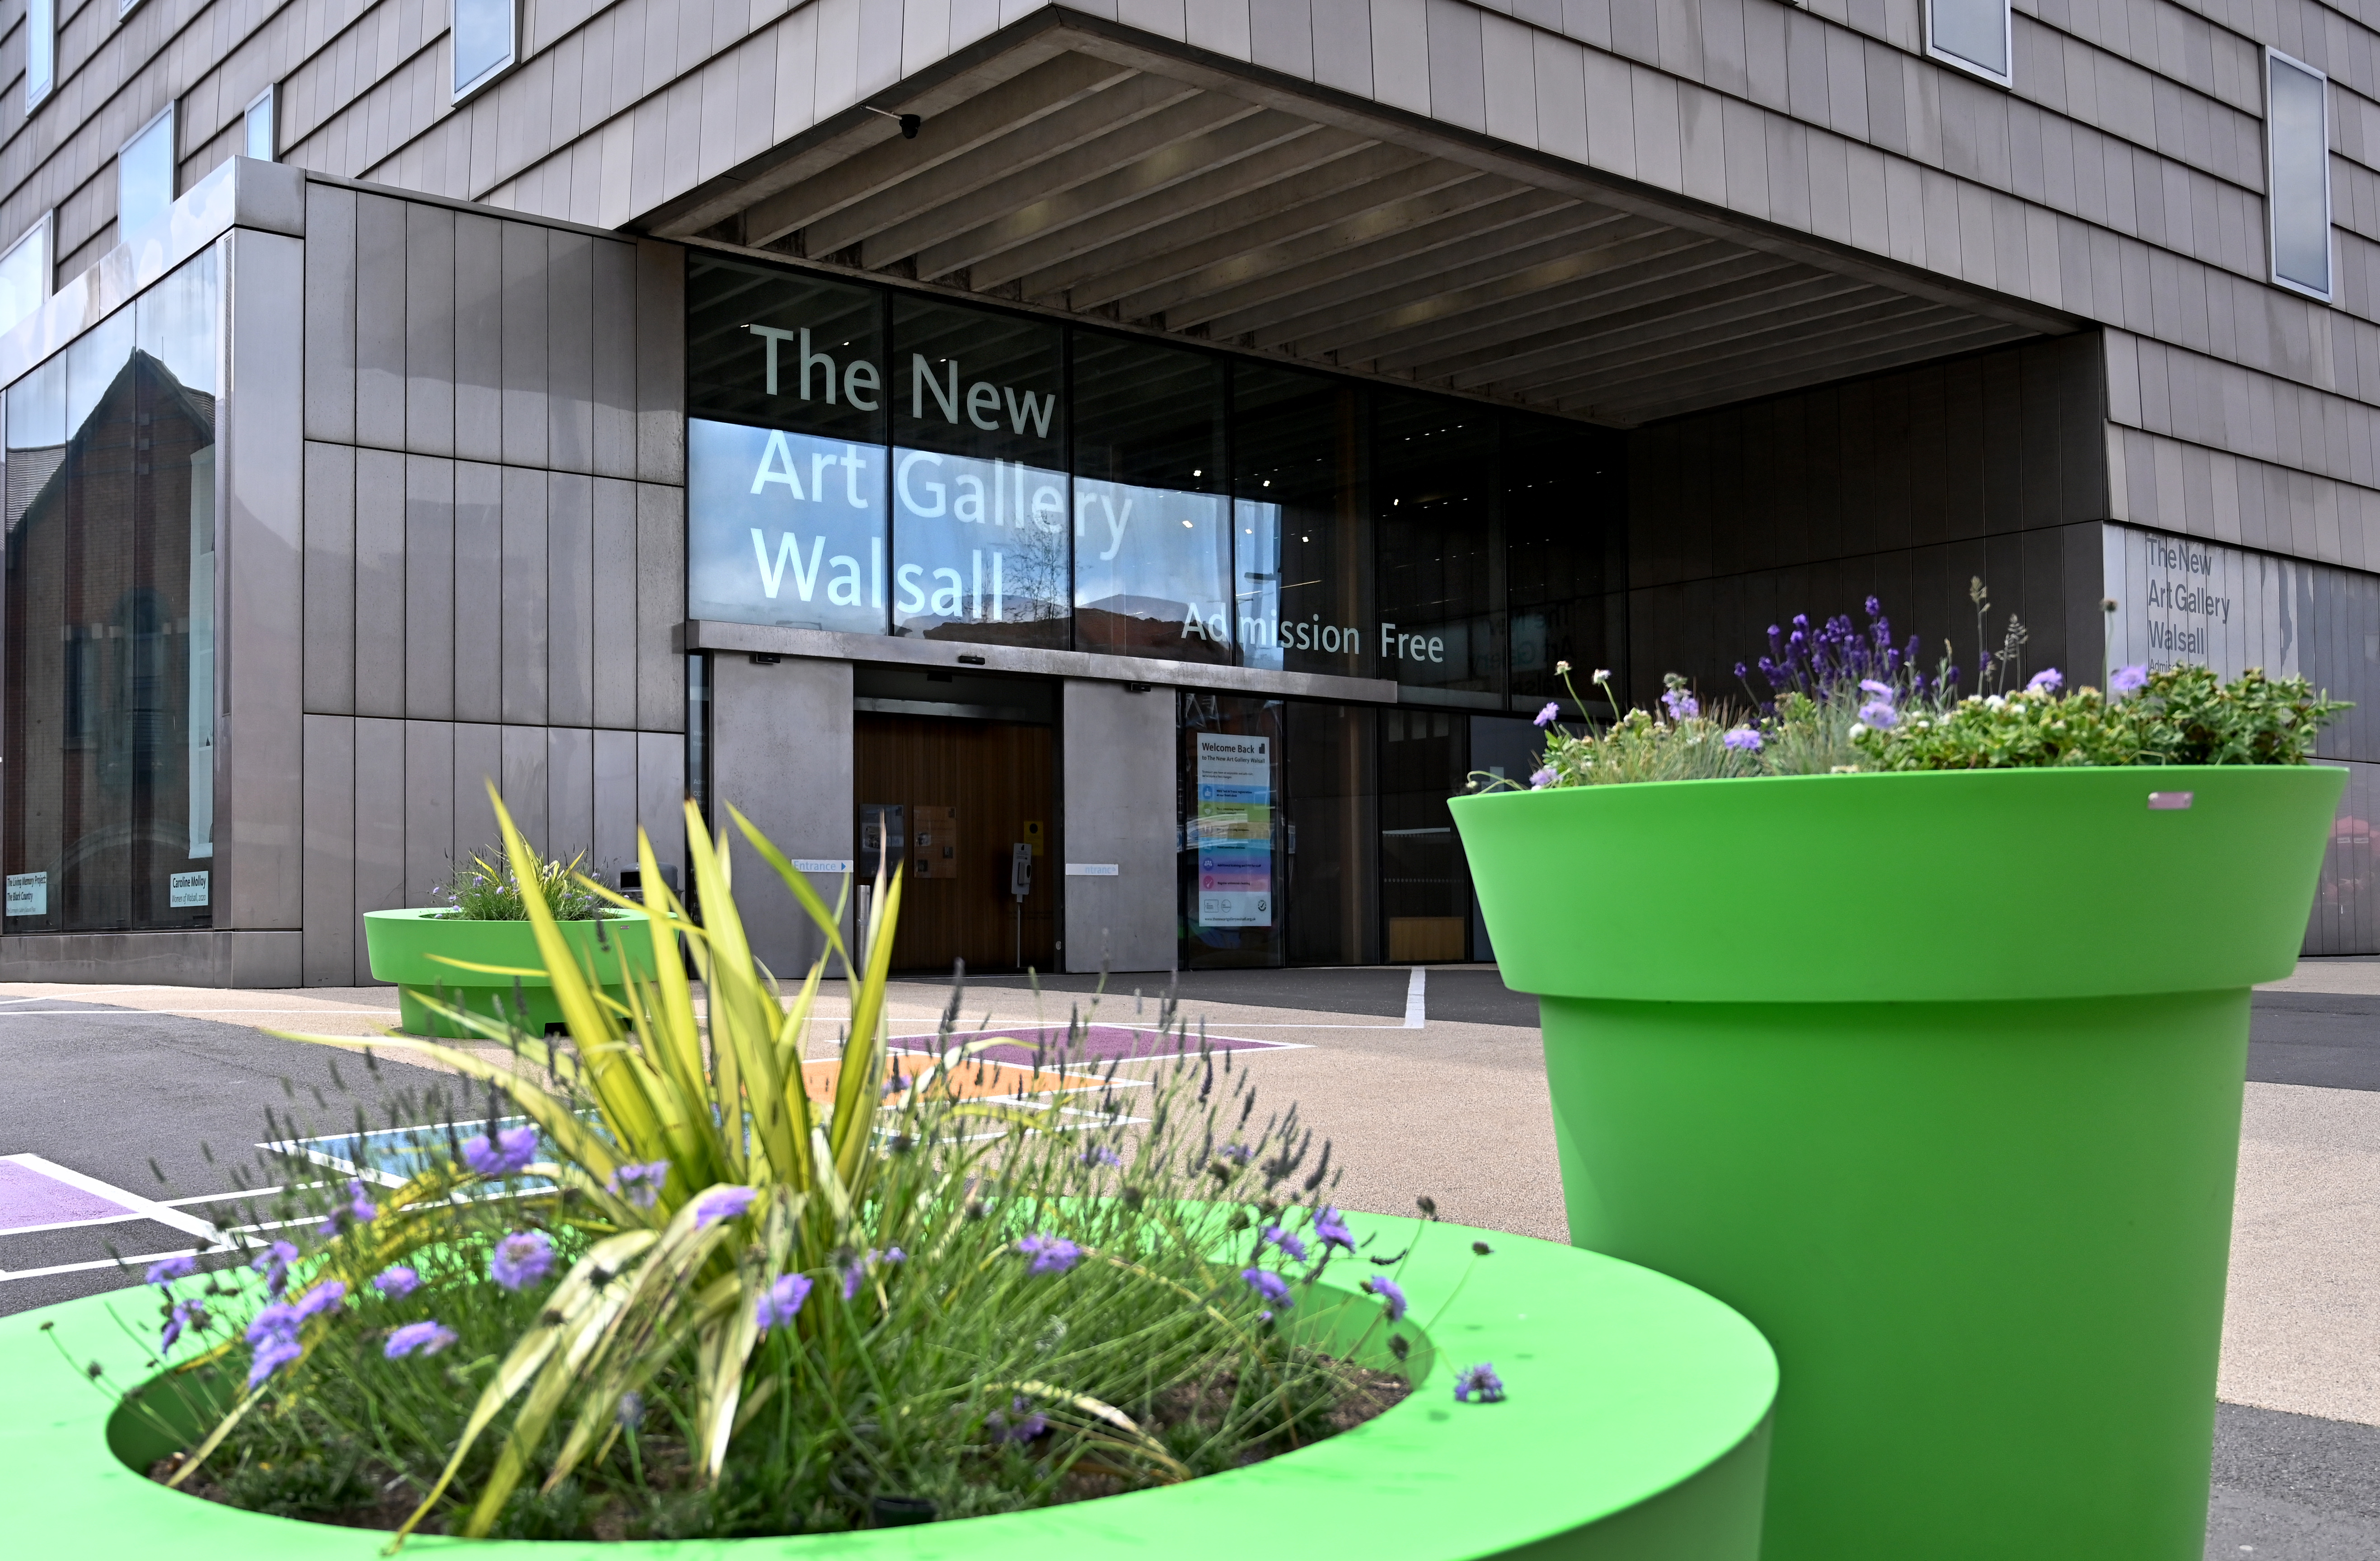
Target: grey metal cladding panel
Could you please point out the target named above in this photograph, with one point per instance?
(524, 781)
(478, 337)
(330, 578)
(1343, 45)
(525, 610)
(661, 362)
(429, 588)
(570, 602)
(569, 337)
(525, 281)
(330, 313)
(1457, 72)
(331, 934)
(1280, 36)
(479, 764)
(429, 844)
(429, 329)
(380, 583)
(615, 361)
(660, 791)
(478, 592)
(660, 607)
(380, 322)
(616, 802)
(616, 619)
(570, 794)
(379, 815)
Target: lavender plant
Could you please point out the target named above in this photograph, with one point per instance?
(497, 891)
(674, 1295)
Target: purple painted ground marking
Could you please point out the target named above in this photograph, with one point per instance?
(27, 1197)
(1099, 1043)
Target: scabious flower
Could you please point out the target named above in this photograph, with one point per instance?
(1681, 704)
(521, 1259)
(1270, 1285)
(1744, 740)
(639, 1184)
(426, 1338)
(171, 1269)
(1479, 1382)
(782, 1301)
(2128, 680)
(1546, 716)
(1331, 1230)
(1100, 1154)
(324, 1297)
(1291, 1245)
(514, 1148)
(723, 1203)
(274, 1334)
(396, 1282)
(1541, 780)
(360, 1204)
(1050, 1254)
(2047, 681)
(1392, 1294)
(1879, 716)
(852, 1275)
(185, 1314)
(1020, 1423)
(1881, 690)
(274, 1263)
(271, 1356)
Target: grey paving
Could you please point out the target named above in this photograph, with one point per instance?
(2293, 1488)
(2329, 1039)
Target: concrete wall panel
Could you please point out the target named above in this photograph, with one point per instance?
(1118, 760)
(784, 759)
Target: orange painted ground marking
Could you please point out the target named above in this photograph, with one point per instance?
(968, 1079)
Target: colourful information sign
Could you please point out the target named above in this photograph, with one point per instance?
(1233, 829)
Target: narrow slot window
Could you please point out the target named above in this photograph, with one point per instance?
(257, 128)
(1972, 35)
(485, 37)
(41, 49)
(25, 275)
(2297, 153)
(144, 176)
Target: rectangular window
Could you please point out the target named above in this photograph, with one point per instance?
(41, 49)
(1566, 548)
(1301, 567)
(257, 128)
(144, 176)
(485, 34)
(1441, 563)
(1152, 534)
(2297, 152)
(785, 450)
(108, 820)
(1972, 34)
(25, 275)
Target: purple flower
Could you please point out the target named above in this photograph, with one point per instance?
(1480, 1382)
(171, 1269)
(360, 1204)
(1744, 740)
(274, 1263)
(1239, 1154)
(428, 1338)
(1021, 1422)
(396, 1282)
(1392, 1294)
(521, 1259)
(271, 1356)
(1050, 1254)
(1681, 704)
(1550, 713)
(639, 1184)
(1881, 716)
(1541, 780)
(2129, 679)
(1288, 1242)
(1881, 690)
(279, 1320)
(723, 1203)
(515, 1147)
(185, 1314)
(851, 1278)
(2047, 681)
(1100, 1154)
(782, 1301)
(324, 1297)
(1331, 1230)
(1270, 1285)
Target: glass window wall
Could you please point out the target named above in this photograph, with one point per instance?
(1565, 526)
(1301, 570)
(107, 817)
(1442, 563)
(1152, 538)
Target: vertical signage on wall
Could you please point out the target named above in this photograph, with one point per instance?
(1234, 830)
(2181, 600)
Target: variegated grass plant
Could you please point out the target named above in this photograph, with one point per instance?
(689, 1301)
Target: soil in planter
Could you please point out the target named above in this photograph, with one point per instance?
(350, 1489)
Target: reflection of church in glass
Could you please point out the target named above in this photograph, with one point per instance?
(109, 627)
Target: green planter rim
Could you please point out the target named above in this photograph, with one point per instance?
(1623, 1384)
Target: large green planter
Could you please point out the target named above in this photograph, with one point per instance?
(411, 948)
(1936, 1078)
(1636, 1429)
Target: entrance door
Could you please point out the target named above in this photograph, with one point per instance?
(970, 792)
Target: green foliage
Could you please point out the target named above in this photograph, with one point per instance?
(485, 891)
(657, 1384)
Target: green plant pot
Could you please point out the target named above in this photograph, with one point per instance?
(1636, 1429)
(411, 948)
(1936, 1078)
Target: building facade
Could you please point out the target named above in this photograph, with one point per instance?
(1126, 465)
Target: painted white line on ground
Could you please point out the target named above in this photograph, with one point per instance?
(71, 1224)
(1416, 1014)
(175, 1218)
